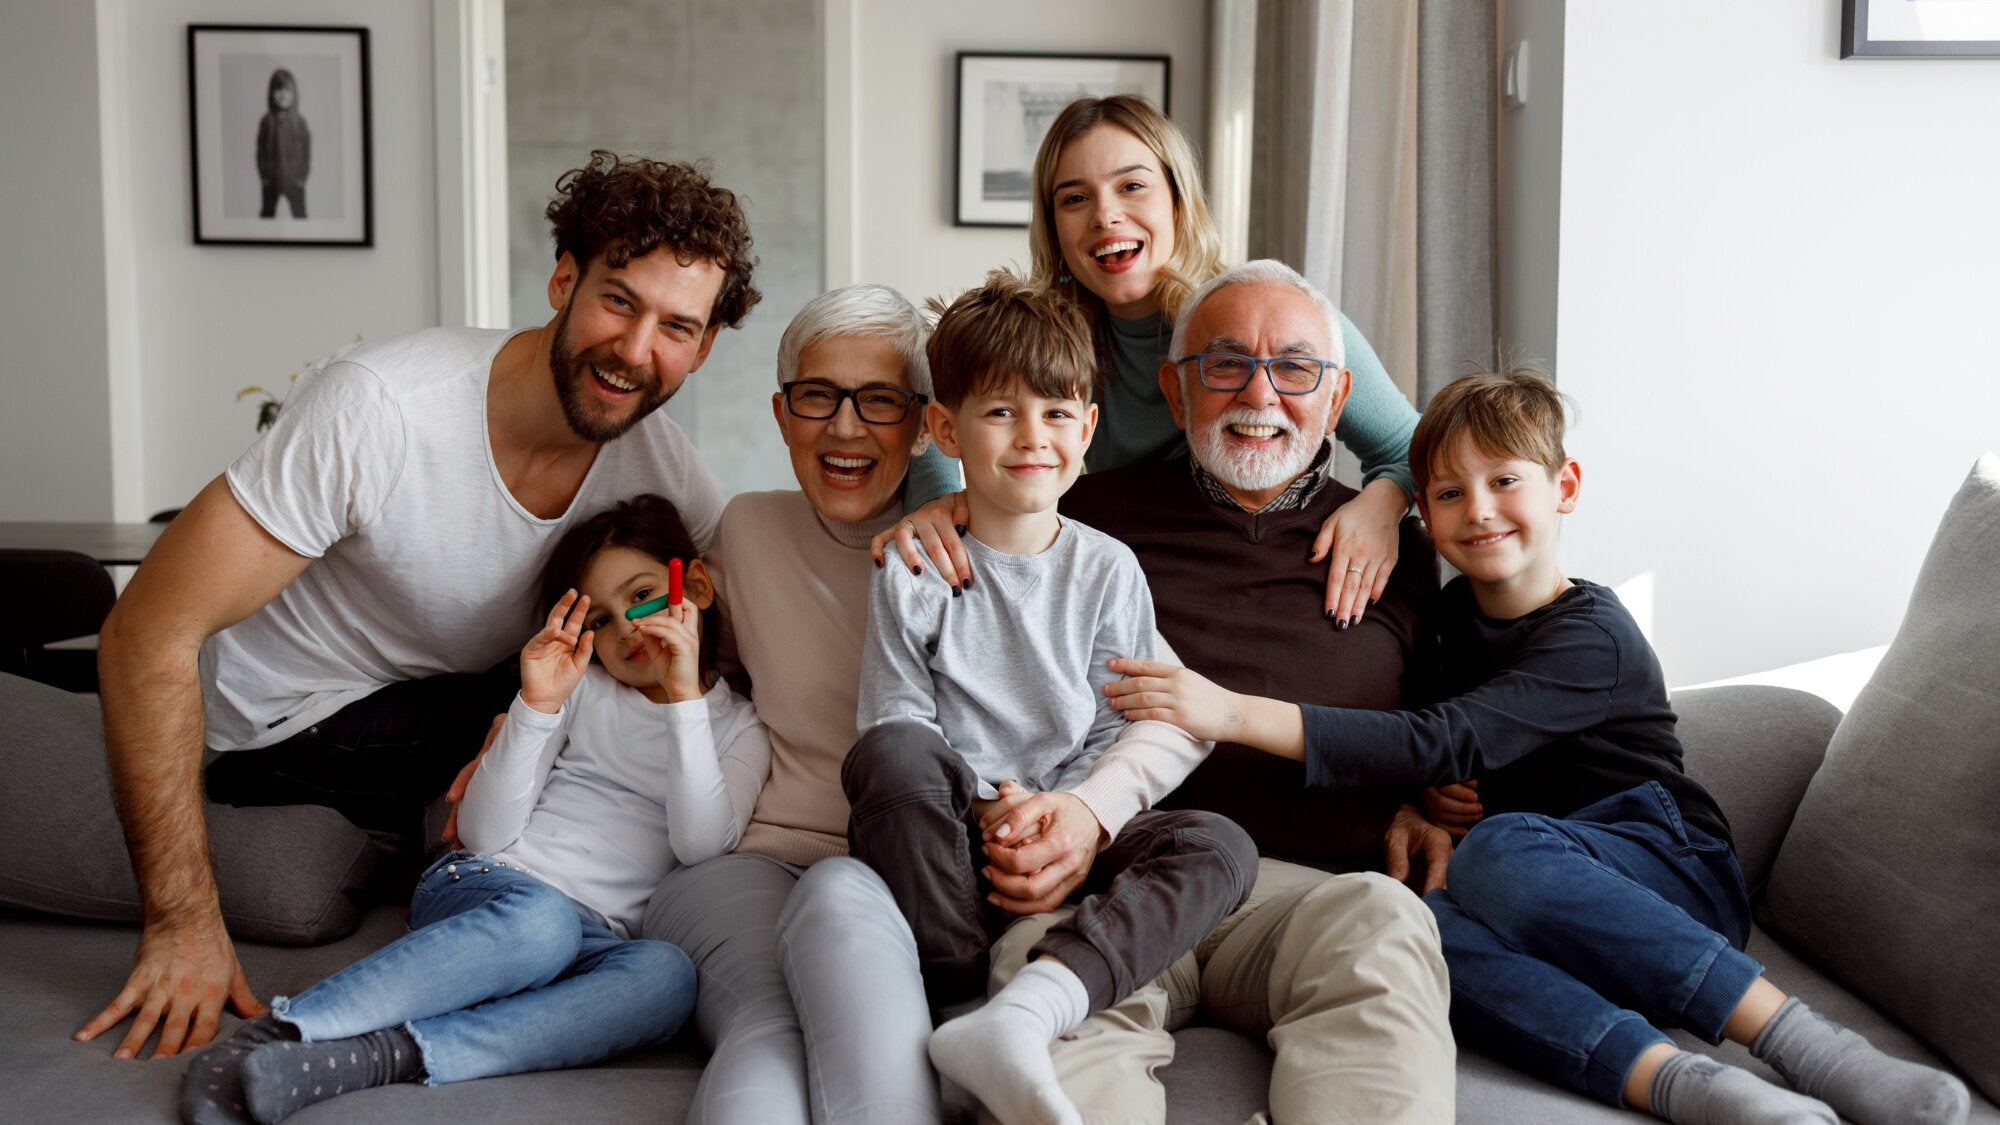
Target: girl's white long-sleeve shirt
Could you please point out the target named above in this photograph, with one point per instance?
(606, 796)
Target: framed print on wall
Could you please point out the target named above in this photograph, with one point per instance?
(1920, 28)
(1005, 105)
(278, 124)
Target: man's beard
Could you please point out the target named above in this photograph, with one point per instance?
(572, 374)
(1250, 470)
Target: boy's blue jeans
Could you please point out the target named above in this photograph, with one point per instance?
(502, 973)
(1571, 941)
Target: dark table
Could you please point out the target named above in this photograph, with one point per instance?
(113, 544)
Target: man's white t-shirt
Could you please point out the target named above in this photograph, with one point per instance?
(381, 471)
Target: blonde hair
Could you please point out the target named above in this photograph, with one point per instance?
(1197, 247)
(1009, 328)
(1513, 413)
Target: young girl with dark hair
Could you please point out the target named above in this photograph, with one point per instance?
(519, 955)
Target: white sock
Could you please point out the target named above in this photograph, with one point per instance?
(1001, 1052)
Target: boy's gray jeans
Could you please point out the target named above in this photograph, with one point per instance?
(1151, 896)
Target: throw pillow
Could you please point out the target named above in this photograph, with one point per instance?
(292, 875)
(1887, 879)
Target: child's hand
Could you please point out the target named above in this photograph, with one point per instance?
(1172, 694)
(552, 664)
(673, 638)
(992, 812)
(1454, 808)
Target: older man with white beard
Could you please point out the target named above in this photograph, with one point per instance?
(1340, 973)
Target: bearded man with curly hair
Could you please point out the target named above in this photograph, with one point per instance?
(334, 612)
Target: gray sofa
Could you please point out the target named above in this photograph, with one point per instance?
(1755, 747)
(1867, 840)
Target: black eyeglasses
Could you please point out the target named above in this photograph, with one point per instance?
(877, 406)
(1289, 374)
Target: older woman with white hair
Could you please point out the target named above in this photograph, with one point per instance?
(809, 991)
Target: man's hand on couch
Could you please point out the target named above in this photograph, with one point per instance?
(181, 976)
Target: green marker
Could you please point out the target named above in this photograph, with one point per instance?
(646, 608)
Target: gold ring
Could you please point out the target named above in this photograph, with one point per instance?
(911, 524)
(1354, 570)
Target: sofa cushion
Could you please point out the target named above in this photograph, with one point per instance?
(1887, 878)
(293, 875)
(1755, 749)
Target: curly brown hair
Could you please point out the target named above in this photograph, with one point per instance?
(619, 208)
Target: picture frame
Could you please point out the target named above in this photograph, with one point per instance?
(1965, 29)
(1006, 102)
(279, 135)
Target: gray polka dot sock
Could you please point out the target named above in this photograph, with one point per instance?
(1692, 1089)
(212, 1092)
(280, 1079)
(1817, 1056)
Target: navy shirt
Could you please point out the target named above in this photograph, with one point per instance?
(1552, 711)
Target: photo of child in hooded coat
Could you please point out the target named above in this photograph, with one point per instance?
(284, 147)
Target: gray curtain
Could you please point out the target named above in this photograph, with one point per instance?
(1457, 183)
(1372, 170)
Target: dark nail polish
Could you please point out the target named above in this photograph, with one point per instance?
(960, 528)
(968, 581)
(915, 569)
(878, 564)
(1329, 615)
(1340, 626)
(955, 591)
(1355, 620)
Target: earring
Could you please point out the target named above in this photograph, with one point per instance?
(1063, 277)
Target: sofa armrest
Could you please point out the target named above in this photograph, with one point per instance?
(1755, 749)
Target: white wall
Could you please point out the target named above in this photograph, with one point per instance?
(55, 437)
(905, 98)
(1779, 280)
(204, 321)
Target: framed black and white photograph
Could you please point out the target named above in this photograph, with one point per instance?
(279, 129)
(1966, 29)
(1005, 105)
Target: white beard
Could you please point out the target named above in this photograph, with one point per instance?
(1250, 470)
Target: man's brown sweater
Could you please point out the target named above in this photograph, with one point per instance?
(1237, 600)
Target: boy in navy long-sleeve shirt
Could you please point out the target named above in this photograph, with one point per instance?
(1599, 897)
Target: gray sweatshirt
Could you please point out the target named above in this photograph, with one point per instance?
(1012, 672)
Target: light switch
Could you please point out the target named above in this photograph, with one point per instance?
(1514, 76)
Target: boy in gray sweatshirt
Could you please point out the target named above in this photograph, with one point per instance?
(988, 751)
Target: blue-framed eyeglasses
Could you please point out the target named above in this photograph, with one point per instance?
(1289, 374)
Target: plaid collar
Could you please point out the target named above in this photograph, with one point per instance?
(1296, 495)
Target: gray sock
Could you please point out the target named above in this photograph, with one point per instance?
(1001, 1052)
(1691, 1089)
(212, 1091)
(1817, 1056)
(280, 1079)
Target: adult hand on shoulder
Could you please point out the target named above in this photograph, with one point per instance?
(1410, 840)
(1040, 851)
(1454, 808)
(1362, 536)
(938, 526)
(456, 794)
(181, 976)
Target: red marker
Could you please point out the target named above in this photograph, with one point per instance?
(654, 605)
